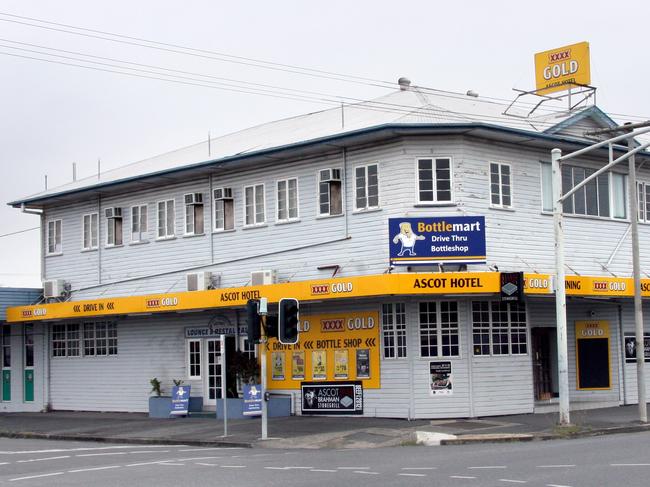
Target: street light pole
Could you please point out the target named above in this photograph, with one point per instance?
(560, 291)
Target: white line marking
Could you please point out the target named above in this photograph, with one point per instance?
(169, 462)
(207, 464)
(275, 468)
(42, 459)
(103, 454)
(147, 451)
(629, 464)
(4, 463)
(93, 469)
(143, 463)
(37, 476)
(195, 458)
(210, 448)
(412, 474)
(233, 466)
(419, 468)
(298, 468)
(487, 467)
(512, 481)
(460, 477)
(557, 485)
(555, 466)
(353, 468)
(321, 470)
(65, 450)
(366, 472)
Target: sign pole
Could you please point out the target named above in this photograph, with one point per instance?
(263, 340)
(224, 395)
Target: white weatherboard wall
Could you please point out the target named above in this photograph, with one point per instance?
(629, 372)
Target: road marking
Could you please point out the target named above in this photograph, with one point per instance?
(298, 468)
(461, 477)
(143, 463)
(4, 463)
(555, 466)
(102, 454)
(195, 458)
(322, 470)
(557, 485)
(62, 450)
(93, 469)
(207, 464)
(170, 462)
(211, 448)
(512, 481)
(148, 451)
(488, 467)
(233, 466)
(275, 468)
(629, 464)
(353, 468)
(37, 476)
(42, 459)
(419, 468)
(412, 474)
(366, 472)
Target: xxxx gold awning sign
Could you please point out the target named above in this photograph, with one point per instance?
(402, 284)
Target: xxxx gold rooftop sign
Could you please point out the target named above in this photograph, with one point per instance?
(402, 284)
(562, 68)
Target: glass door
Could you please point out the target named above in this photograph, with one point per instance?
(213, 365)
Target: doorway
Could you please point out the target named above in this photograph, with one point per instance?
(213, 370)
(544, 348)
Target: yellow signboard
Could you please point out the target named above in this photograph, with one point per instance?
(562, 68)
(341, 346)
(593, 363)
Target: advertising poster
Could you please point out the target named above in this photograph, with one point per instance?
(340, 364)
(319, 364)
(363, 363)
(298, 365)
(440, 383)
(630, 348)
(252, 400)
(332, 397)
(180, 401)
(277, 364)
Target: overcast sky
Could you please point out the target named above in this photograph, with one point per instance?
(54, 114)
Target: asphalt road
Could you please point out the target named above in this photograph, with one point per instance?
(604, 461)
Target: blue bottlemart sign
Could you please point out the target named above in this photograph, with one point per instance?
(180, 401)
(451, 239)
(252, 400)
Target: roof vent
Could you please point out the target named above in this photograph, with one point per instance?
(472, 93)
(404, 83)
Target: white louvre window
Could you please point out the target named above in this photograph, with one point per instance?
(439, 329)
(166, 219)
(499, 328)
(643, 195)
(90, 231)
(254, 208)
(366, 187)
(329, 192)
(114, 230)
(193, 214)
(434, 180)
(224, 209)
(500, 185)
(393, 322)
(54, 237)
(287, 200)
(139, 223)
(100, 338)
(66, 340)
(194, 359)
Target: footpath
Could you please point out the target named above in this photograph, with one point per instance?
(312, 431)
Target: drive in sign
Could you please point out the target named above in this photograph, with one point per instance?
(453, 239)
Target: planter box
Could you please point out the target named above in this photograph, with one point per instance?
(277, 407)
(159, 407)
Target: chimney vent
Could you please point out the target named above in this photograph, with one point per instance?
(404, 83)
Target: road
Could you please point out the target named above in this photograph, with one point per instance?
(605, 461)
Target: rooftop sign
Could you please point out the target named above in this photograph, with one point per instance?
(560, 69)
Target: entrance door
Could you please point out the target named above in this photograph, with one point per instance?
(544, 370)
(213, 365)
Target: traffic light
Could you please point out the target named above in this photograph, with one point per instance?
(288, 319)
(271, 326)
(253, 320)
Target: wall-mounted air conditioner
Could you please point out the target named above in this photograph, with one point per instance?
(115, 212)
(199, 281)
(262, 278)
(53, 288)
(327, 175)
(223, 194)
(194, 199)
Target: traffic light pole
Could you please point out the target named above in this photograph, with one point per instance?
(263, 341)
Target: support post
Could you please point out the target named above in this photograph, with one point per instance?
(224, 394)
(636, 265)
(263, 339)
(560, 291)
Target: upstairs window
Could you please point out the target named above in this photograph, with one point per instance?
(90, 231)
(54, 237)
(287, 200)
(500, 185)
(434, 180)
(113, 226)
(254, 207)
(166, 218)
(329, 192)
(193, 214)
(139, 223)
(643, 195)
(366, 187)
(224, 209)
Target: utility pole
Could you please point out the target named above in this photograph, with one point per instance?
(263, 307)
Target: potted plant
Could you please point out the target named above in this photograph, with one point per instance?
(159, 405)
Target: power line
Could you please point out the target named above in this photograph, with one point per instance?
(19, 231)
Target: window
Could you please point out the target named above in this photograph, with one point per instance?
(6, 346)
(499, 328)
(287, 200)
(28, 333)
(90, 231)
(593, 198)
(224, 209)
(329, 192)
(113, 226)
(366, 187)
(166, 219)
(434, 180)
(65, 340)
(500, 185)
(255, 213)
(100, 338)
(54, 237)
(194, 359)
(439, 329)
(139, 223)
(643, 195)
(248, 348)
(393, 327)
(194, 214)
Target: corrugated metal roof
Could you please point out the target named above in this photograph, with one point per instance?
(411, 106)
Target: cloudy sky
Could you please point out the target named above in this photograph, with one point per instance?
(54, 114)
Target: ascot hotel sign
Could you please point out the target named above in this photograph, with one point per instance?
(563, 68)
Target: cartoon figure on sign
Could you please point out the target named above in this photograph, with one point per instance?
(310, 398)
(407, 239)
